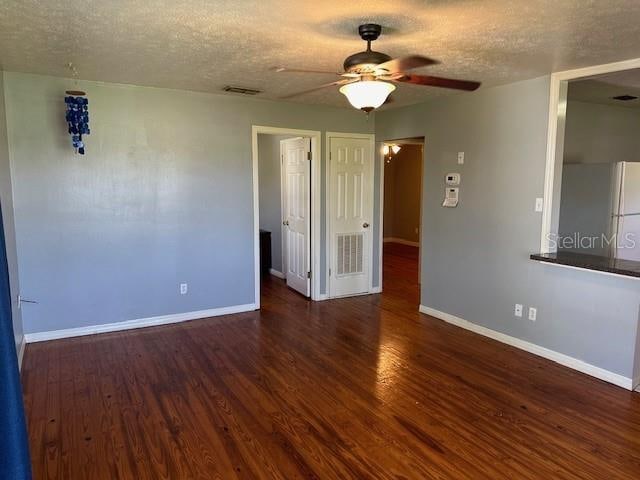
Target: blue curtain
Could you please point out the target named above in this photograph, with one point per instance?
(14, 448)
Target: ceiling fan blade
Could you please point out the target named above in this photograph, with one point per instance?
(406, 63)
(320, 87)
(301, 70)
(440, 82)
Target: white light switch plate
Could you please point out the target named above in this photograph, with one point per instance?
(533, 314)
(539, 204)
(460, 158)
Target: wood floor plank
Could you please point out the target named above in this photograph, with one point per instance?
(362, 387)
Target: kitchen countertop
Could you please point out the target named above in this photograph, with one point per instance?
(629, 268)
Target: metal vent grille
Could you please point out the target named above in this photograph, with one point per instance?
(241, 90)
(625, 98)
(350, 253)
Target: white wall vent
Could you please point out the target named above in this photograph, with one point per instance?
(350, 254)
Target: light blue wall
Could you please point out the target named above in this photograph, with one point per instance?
(475, 261)
(6, 202)
(163, 196)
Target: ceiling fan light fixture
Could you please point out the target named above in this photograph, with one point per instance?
(367, 94)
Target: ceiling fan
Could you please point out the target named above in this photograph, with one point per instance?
(368, 75)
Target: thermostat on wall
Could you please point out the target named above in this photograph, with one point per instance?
(452, 178)
(451, 197)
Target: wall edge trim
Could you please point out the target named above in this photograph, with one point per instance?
(137, 323)
(401, 241)
(23, 343)
(276, 273)
(560, 358)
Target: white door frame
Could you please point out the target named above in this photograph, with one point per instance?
(380, 146)
(314, 241)
(374, 156)
(555, 143)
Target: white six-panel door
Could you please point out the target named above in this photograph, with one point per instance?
(350, 215)
(296, 207)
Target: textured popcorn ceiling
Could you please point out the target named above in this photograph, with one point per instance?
(206, 44)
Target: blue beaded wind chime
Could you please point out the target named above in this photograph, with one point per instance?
(77, 118)
(77, 114)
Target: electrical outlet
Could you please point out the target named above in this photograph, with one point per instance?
(518, 310)
(184, 288)
(533, 313)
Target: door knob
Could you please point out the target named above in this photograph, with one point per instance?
(365, 225)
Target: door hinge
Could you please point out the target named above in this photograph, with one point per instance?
(308, 274)
(308, 155)
(329, 272)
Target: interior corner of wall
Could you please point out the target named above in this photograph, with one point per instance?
(636, 360)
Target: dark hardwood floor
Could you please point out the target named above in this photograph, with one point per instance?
(353, 388)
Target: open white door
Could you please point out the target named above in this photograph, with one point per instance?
(350, 215)
(296, 208)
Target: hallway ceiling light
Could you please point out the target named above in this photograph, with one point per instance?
(390, 148)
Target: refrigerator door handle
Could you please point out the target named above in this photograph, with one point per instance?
(626, 214)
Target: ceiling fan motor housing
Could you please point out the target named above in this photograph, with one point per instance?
(369, 31)
(365, 61)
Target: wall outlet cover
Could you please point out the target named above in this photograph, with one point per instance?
(533, 314)
(517, 311)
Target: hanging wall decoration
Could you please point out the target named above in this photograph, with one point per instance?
(77, 114)
(77, 118)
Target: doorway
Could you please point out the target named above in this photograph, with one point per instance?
(286, 197)
(402, 213)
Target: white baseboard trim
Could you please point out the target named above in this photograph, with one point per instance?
(401, 241)
(376, 290)
(23, 343)
(276, 273)
(557, 357)
(322, 297)
(636, 384)
(139, 323)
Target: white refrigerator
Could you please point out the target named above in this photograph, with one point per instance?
(625, 217)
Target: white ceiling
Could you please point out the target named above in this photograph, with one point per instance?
(602, 88)
(592, 91)
(204, 45)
